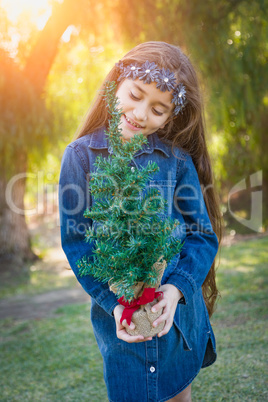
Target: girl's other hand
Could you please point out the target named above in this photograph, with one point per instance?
(121, 332)
(169, 302)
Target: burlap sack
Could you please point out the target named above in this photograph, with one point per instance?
(144, 318)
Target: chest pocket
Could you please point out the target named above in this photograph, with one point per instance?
(166, 190)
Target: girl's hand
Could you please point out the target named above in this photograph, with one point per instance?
(121, 332)
(169, 302)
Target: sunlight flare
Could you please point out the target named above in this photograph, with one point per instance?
(38, 10)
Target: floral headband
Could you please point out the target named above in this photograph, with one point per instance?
(164, 78)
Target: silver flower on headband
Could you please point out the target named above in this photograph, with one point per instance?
(131, 71)
(179, 98)
(148, 72)
(120, 66)
(165, 80)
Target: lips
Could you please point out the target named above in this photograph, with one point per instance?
(132, 122)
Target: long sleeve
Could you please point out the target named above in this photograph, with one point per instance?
(200, 242)
(73, 200)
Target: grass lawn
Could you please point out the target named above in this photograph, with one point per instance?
(57, 359)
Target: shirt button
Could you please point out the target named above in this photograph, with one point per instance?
(152, 369)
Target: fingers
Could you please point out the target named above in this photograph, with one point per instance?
(165, 330)
(158, 306)
(125, 324)
(167, 318)
(168, 303)
(122, 334)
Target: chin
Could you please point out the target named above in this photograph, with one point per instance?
(127, 137)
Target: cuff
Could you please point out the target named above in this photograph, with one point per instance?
(108, 301)
(185, 283)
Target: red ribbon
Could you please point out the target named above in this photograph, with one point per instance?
(148, 295)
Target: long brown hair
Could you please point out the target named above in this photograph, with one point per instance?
(186, 131)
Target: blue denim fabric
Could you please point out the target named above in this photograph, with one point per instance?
(165, 366)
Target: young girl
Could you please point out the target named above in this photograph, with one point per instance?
(160, 98)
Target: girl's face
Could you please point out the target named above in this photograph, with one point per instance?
(145, 108)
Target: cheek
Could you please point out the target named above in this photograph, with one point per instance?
(164, 122)
(122, 101)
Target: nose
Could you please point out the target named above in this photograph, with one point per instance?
(140, 113)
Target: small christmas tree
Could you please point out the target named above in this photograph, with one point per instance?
(133, 233)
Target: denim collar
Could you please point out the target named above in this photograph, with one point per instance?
(98, 140)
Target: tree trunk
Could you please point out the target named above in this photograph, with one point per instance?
(264, 162)
(14, 235)
(43, 54)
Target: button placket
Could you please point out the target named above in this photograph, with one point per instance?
(152, 373)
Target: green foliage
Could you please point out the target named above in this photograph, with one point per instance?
(237, 77)
(83, 64)
(25, 121)
(132, 235)
(32, 125)
(227, 42)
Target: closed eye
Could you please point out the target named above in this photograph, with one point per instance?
(133, 96)
(138, 99)
(157, 113)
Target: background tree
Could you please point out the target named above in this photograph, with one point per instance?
(27, 125)
(227, 41)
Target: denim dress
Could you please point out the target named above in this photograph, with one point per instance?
(157, 370)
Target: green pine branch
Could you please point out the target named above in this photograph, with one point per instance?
(132, 233)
